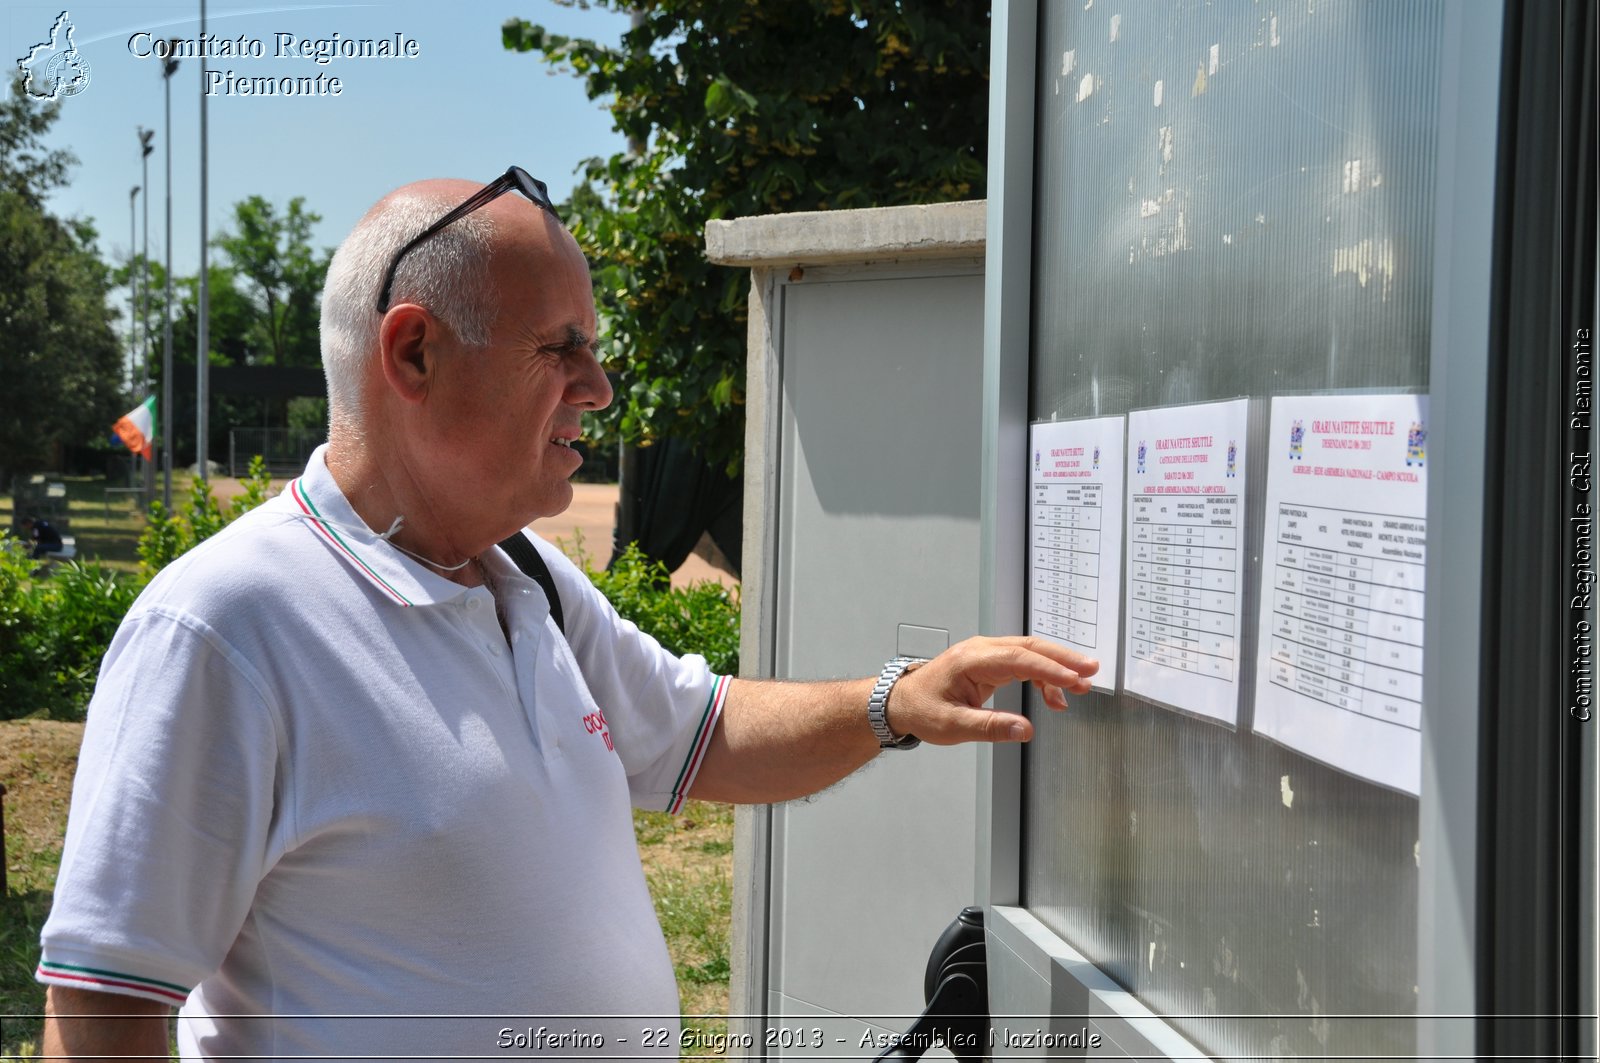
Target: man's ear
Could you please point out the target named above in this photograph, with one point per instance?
(405, 340)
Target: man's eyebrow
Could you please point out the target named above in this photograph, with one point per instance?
(576, 340)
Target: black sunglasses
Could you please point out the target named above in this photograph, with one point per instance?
(514, 178)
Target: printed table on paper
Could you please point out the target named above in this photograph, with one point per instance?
(1075, 537)
(1186, 495)
(1339, 671)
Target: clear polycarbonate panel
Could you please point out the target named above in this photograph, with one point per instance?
(1231, 200)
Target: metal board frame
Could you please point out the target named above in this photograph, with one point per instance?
(1448, 904)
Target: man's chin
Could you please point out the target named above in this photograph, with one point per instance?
(554, 500)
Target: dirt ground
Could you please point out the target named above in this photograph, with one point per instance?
(590, 516)
(37, 758)
(593, 512)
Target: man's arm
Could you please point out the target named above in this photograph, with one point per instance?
(780, 740)
(112, 1025)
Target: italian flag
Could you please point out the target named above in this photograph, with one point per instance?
(137, 429)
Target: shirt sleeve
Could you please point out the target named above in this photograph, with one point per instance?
(661, 708)
(173, 814)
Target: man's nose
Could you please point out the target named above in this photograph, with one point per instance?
(590, 388)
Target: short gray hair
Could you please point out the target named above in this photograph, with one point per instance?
(448, 274)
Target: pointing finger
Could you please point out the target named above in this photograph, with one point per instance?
(997, 665)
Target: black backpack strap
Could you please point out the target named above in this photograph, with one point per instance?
(527, 558)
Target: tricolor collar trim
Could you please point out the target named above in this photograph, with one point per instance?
(327, 531)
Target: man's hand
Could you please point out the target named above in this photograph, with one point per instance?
(941, 702)
(778, 740)
(87, 1024)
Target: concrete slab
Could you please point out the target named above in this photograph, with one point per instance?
(814, 238)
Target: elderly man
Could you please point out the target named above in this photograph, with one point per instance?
(342, 768)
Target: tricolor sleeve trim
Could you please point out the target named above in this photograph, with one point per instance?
(75, 977)
(702, 741)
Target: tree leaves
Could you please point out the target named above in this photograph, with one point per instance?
(725, 100)
(283, 274)
(27, 169)
(60, 361)
(739, 109)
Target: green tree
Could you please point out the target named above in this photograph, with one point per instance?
(264, 299)
(60, 360)
(146, 314)
(233, 324)
(282, 276)
(27, 167)
(741, 109)
(234, 336)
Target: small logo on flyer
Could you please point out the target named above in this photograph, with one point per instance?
(1097, 456)
(1142, 452)
(54, 69)
(1417, 445)
(1233, 457)
(1297, 441)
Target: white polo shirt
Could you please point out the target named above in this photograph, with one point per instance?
(320, 780)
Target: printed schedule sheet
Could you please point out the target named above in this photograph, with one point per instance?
(1339, 672)
(1075, 537)
(1186, 495)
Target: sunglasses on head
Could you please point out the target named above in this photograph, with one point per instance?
(515, 178)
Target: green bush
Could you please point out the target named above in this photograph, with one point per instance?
(167, 536)
(18, 627)
(56, 623)
(53, 632)
(702, 618)
(84, 605)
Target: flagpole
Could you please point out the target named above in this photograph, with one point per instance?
(133, 293)
(168, 68)
(202, 435)
(148, 480)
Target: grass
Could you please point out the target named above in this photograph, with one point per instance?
(36, 763)
(106, 532)
(687, 859)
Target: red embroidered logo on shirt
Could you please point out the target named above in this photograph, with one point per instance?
(595, 724)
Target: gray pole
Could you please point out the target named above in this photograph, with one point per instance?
(202, 360)
(145, 136)
(169, 67)
(133, 293)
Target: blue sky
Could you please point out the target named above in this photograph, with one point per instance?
(464, 107)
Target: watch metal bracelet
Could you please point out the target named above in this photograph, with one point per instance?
(878, 703)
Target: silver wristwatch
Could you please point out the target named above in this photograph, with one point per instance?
(878, 703)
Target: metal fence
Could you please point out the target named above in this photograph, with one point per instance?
(285, 450)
